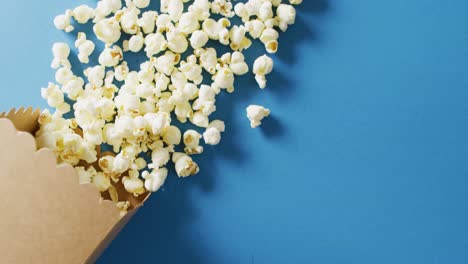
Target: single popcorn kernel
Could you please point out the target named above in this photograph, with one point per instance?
(256, 114)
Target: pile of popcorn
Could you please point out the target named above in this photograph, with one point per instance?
(132, 111)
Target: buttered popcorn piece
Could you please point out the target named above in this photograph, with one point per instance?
(256, 113)
(192, 142)
(134, 109)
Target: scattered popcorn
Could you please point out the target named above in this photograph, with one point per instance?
(256, 114)
(134, 109)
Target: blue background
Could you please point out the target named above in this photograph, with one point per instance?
(364, 159)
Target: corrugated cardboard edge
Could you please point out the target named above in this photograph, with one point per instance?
(76, 206)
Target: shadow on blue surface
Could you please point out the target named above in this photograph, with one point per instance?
(167, 216)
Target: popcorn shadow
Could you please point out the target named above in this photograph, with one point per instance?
(272, 127)
(164, 229)
(161, 230)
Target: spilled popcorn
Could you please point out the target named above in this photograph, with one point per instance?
(132, 111)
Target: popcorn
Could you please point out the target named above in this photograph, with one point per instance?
(85, 47)
(111, 57)
(171, 135)
(188, 23)
(62, 22)
(136, 42)
(107, 30)
(129, 20)
(61, 52)
(198, 39)
(133, 185)
(155, 179)
(238, 64)
(155, 43)
(262, 67)
(184, 165)
(160, 157)
(286, 15)
(141, 3)
(212, 136)
(63, 75)
(218, 124)
(82, 14)
(192, 142)
(101, 181)
(147, 21)
(256, 114)
(132, 110)
(175, 8)
(295, 2)
(177, 42)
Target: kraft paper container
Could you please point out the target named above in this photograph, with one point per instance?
(46, 215)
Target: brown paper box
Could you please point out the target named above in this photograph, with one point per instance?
(46, 215)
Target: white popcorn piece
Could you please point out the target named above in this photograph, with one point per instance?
(188, 23)
(171, 135)
(111, 56)
(256, 113)
(61, 51)
(85, 47)
(212, 136)
(141, 3)
(175, 8)
(83, 13)
(95, 75)
(73, 88)
(192, 142)
(101, 181)
(133, 185)
(176, 41)
(107, 30)
(62, 22)
(198, 39)
(147, 21)
(295, 2)
(262, 67)
(155, 43)
(155, 180)
(159, 157)
(218, 124)
(136, 42)
(184, 165)
(286, 15)
(238, 64)
(129, 20)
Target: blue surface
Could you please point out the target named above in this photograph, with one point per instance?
(364, 160)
